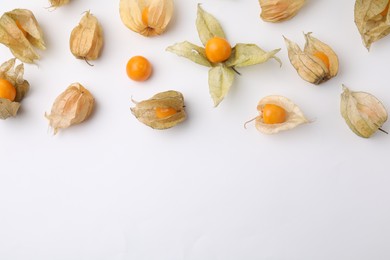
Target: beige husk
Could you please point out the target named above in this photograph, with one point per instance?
(363, 112)
(159, 15)
(86, 39)
(279, 10)
(372, 19)
(309, 66)
(57, 3)
(14, 75)
(71, 107)
(20, 32)
(145, 111)
(294, 118)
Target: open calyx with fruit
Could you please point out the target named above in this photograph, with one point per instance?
(13, 88)
(277, 113)
(219, 55)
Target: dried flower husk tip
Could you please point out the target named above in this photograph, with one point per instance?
(71, 107)
(163, 110)
(363, 112)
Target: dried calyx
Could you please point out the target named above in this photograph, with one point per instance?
(316, 63)
(277, 113)
(86, 39)
(12, 76)
(21, 33)
(363, 112)
(219, 56)
(58, 3)
(372, 19)
(279, 10)
(163, 110)
(146, 17)
(71, 107)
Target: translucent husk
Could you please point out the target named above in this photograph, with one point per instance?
(159, 15)
(57, 3)
(20, 32)
(363, 112)
(309, 64)
(14, 75)
(71, 107)
(372, 19)
(86, 39)
(145, 111)
(279, 10)
(294, 117)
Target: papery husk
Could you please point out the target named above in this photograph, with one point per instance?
(160, 13)
(310, 67)
(244, 55)
(314, 45)
(208, 26)
(363, 112)
(221, 78)
(58, 3)
(190, 51)
(279, 10)
(372, 19)
(86, 39)
(145, 111)
(20, 32)
(71, 107)
(294, 117)
(14, 75)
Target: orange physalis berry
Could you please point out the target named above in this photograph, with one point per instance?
(145, 16)
(138, 68)
(273, 114)
(7, 90)
(164, 112)
(323, 57)
(218, 49)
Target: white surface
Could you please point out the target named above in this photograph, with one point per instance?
(208, 189)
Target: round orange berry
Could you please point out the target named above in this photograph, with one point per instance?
(7, 90)
(273, 114)
(218, 49)
(138, 68)
(164, 112)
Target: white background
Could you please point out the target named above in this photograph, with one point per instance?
(208, 189)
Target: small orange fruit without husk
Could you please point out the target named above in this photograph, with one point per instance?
(138, 68)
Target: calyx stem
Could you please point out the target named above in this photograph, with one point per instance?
(383, 131)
